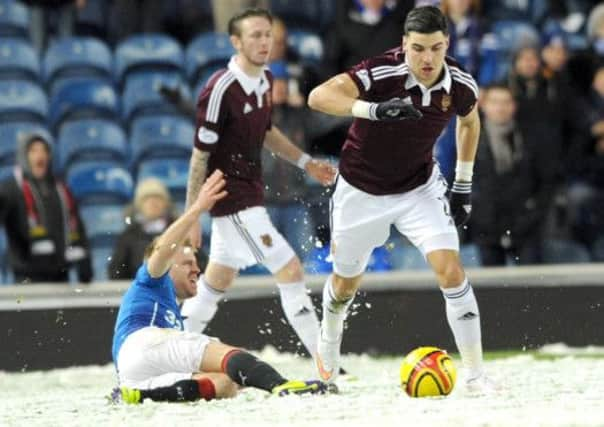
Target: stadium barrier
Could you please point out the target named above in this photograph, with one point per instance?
(50, 326)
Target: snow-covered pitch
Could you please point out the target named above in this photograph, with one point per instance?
(560, 391)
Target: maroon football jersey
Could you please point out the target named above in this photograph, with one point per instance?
(395, 157)
(233, 116)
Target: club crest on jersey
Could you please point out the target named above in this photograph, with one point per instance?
(445, 103)
(267, 240)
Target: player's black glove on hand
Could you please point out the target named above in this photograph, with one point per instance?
(394, 109)
(460, 200)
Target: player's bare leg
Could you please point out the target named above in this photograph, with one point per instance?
(200, 310)
(338, 294)
(297, 305)
(462, 311)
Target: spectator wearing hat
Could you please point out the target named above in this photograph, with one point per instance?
(46, 236)
(151, 213)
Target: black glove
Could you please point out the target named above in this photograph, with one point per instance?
(460, 200)
(394, 109)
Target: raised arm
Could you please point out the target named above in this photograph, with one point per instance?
(198, 169)
(170, 241)
(278, 143)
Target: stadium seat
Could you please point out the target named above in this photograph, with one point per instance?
(5, 172)
(101, 254)
(407, 257)
(509, 36)
(316, 262)
(91, 139)
(141, 95)
(597, 250)
(172, 172)
(9, 137)
(161, 137)
(77, 57)
(470, 256)
(18, 60)
(103, 221)
(307, 45)
(83, 98)
(560, 251)
(207, 51)
(14, 19)
(100, 183)
(21, 100)
(147, 52)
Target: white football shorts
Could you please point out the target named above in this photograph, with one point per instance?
(362, 221)
(159, 357)
(248, 238)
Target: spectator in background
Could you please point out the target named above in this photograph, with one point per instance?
(514, 180)
(45, 233)
(128, 17)
(586, 172)
(363, 28)
(151, 213)
(44, 12)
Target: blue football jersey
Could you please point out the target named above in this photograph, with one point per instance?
(148, 302)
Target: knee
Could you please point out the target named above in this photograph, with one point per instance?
(345, 287)
(450, 274)
(292, 272)
(225, 387)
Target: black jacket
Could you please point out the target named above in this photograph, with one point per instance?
(39, 268)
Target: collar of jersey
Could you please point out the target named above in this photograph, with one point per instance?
(444, 83)
(249, 84)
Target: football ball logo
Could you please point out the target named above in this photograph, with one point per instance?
(428, 371)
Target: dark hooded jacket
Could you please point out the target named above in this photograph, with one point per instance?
(45, 233)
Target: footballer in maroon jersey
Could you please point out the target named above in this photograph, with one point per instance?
(401, 101)
(233, 126)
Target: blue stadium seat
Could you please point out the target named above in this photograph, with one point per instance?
(5, 172)
(307, 45)
(204, 76)
(91, 139)
(100, 183)
(147, 52)
(9, 137)
(83, 98)
(21, 100)
(141, 95)
(101, 254)
(77, 57)
(103, 222)
(208, 50)
(407, 257)
(470, 256)
(561, 251)
(18, 60)
(509, 36)
(161, 137)
(316, 261)
(14, 19)
(172, 172)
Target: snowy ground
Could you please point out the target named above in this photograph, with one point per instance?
(563, 390)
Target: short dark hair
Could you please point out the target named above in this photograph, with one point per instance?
(235, 28)
(426, 20)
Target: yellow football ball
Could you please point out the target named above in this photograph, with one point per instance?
(428, 371)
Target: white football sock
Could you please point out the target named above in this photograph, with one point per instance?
(464, 320)
(300, 313)
(334, 312)
(200, 310)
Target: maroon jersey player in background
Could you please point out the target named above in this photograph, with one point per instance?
(233, 125)
(401, 101)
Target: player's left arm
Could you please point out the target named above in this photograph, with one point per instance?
(467, 135)
(279, 144)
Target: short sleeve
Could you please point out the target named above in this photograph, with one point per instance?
(361, 76)
(211, 111)
(466, 92)
(143, 278)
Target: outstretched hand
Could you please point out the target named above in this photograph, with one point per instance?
(211, 191)
(322, 171)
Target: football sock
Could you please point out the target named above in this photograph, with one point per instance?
(300, 313)
(200, 310)
(248, 371)
(334, 312)
(182, 391)
(464, 319)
